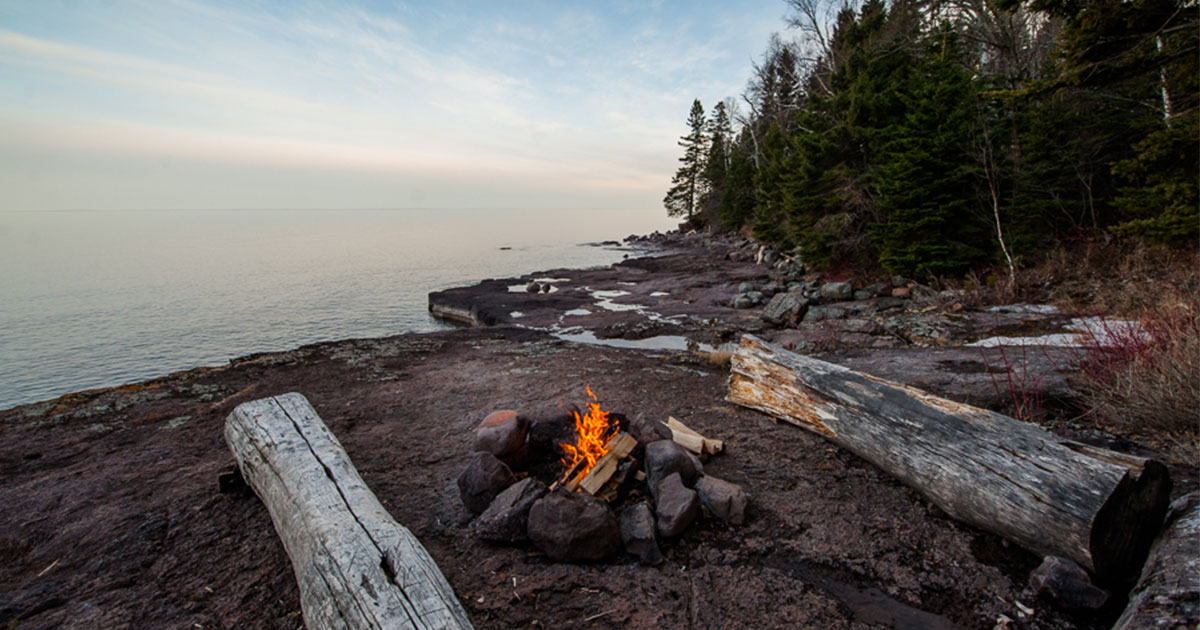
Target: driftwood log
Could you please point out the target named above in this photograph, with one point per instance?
(356, 566)
(1168, 594)
(1052, 496)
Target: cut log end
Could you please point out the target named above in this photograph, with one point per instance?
(1125, 526)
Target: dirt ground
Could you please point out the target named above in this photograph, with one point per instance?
(110, 515)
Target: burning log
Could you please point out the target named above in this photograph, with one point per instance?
(691, 440)
(617, 448)
(356, 566)
(1053, 496)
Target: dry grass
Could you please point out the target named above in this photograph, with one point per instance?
(1146, 384)
(1093, 278)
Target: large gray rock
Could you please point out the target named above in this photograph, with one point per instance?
(506, 518)
(573, 527)
(727, 501)
(837, 290)
(665, 457)
(785, 309)
(637, 534)
(676, 506)
(1067, 584)
(502, 433)
(483, 479)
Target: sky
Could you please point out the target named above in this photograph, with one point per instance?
(188, 104)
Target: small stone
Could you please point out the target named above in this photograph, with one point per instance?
(837, 290)
(665, 457)
(502, 433)
(770, 257)
(756, 297)
(573, 527)
(637, 534)
(677, 506)
(1066, 583)
(727, 501)
(533, 287)
(785, 309)
(900, 292)
(745, 287)
(483, 479)
(899, 281)
(546, 287)
(506, 518)
(742, 300)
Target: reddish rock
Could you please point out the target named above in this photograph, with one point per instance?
(502, 433)
(506, 518)
(483, 479)
(637, 534)
(901, 292)
(727, 501)
(677, 506)
(573, 527)
(665, 457)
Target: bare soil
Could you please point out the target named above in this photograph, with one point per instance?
(110, 515)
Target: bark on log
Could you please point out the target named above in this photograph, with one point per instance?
(355, 565)
(1052, 496)
(1168, 594)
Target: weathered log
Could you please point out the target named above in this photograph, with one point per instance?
(355, 565)
(1052, 496)
(1168, 593)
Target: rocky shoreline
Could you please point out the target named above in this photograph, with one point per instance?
(113, 516)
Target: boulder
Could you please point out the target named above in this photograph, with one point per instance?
(665, 457)
(1067, 584)
(785, 309)
(727, 501)
(573, 527)
(637, 534)
(677, 505)
(645, 430)
(502, 433)
(548, 430)
(483, 479)
(837, 290)
(506, 518)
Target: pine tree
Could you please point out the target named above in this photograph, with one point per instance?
(687, 186)
(925, 181)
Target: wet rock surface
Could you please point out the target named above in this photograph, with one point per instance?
(129, 474)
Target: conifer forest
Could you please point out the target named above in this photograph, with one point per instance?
(934, 137)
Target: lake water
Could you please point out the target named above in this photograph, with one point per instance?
(95, 299)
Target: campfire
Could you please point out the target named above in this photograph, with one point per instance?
(613, 482)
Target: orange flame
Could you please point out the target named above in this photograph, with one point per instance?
(592, 432)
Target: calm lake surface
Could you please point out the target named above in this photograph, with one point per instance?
(95, 299)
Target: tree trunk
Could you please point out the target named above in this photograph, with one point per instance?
(1053, 496)
(1168, 594)
(356, 567)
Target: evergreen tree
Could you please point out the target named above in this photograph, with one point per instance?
(687, 186)
(925, 178)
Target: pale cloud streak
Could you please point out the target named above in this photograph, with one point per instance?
(546, 99)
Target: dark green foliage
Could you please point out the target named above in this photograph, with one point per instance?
(1164, 194)
(687, 186)
(896, 142)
